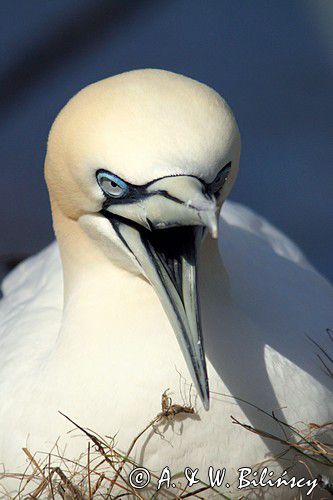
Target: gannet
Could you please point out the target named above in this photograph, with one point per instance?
(138, 167)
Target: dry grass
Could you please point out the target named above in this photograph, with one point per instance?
(312, 443)
(101, 472)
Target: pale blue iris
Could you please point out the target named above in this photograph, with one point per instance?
(112, 185)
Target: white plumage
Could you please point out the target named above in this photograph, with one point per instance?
(116, 352)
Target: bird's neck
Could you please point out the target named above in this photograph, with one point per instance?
(97, 293)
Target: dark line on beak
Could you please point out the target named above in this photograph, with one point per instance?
(115, 224)
(173, 198)
(150, 224)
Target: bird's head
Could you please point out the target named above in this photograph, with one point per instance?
(143, 162)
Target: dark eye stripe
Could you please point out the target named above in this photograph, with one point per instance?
(134, 193)
(220, 179)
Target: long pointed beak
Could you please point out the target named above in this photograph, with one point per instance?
(168, 256)
(173, 273)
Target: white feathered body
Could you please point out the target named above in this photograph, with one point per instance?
(117, 354)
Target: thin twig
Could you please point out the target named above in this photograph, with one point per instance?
(89, 472)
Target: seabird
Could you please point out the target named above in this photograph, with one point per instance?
(138, 167)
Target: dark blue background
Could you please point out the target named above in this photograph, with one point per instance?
(271, 60)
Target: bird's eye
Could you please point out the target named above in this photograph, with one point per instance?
(220, 179)
(112, 185)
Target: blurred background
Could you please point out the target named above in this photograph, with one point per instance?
(272, 61)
